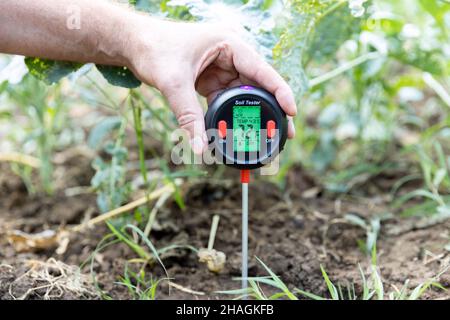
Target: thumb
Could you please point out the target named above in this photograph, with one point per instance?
(189, 113)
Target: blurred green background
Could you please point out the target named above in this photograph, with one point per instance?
(371, 80)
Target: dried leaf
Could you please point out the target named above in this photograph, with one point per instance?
(48, 239)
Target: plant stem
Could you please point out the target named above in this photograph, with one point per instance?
(437, 87)
(137, 116)
(126, 208)
(103, 92)
(212, 233)
(21, 159)
(152, 215)
(343, 68)
(114, 164)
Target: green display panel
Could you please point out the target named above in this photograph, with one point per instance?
(246, 127)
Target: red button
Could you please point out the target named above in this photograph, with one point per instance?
(222, 129)
(271, 129)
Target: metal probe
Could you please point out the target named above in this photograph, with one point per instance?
(245, 179)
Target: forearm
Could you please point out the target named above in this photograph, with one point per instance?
(176, 58)
(48, 29)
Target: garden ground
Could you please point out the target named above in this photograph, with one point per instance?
(293, 231)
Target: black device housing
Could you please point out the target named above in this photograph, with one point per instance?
(221, 108)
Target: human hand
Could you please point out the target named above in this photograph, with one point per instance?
(182, 58)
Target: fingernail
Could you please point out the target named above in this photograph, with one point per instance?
(291, 128)
(197, 145)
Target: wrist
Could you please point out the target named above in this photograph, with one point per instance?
(142, 34)
(114, 38)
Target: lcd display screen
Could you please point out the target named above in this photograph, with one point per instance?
(246, 128)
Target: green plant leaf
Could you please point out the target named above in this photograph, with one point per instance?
(3, 86)
(426, 60)
(377, 282)
(119, 76)
(354, 219)
(289, 51)
(50, 71)
(101, 130)
(439, 177)
(143, 254)
(437, 9)
(149, 245)
(331, 287)
(330, 32)
(309, 295)
(278, 281)
(421, 288)
(418, 193)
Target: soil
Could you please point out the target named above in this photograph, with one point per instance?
(293, 230)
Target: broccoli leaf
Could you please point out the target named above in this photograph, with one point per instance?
(119, 76)
(50, 71)
(330, 32)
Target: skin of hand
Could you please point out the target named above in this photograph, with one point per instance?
(183, 58)
(177, 58)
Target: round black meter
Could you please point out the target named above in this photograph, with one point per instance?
(246, 127)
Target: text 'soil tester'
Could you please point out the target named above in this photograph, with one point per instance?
(250, 131)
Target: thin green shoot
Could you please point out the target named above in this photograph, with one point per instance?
(139, 285)
(255, 291)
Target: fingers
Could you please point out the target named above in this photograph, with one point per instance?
(291, 128)
(214, 78)
(212, 94)
(189, 113)
(252, 66)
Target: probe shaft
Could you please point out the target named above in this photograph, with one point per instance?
(244, 237)
(245, 179)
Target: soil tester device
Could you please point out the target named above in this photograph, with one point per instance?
(249, 129)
